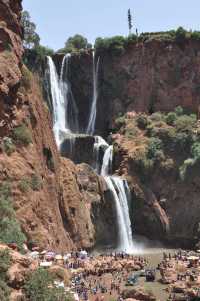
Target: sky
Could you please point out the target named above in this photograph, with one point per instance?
(57, 20)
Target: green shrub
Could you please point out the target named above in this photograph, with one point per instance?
(142, 121)
(5, 189)
(10, 230)
(8, 146)
(5, 261)
(179, 111)
(40, 287)
(185, 123)
(24, 185)
(183, 141)
(120, 121)
(183, 170)
(154, 145)
(22, 135)
(115, 44)
(180, 35)
(171, 118)
(4, 291)
(195, 35)
(195, 150)
(36, 182)
(156, 117)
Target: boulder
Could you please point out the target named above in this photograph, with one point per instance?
(138, 293)
(60, 274)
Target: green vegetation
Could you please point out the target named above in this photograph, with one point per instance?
(34, 54)
(118, 44)
(8, 146)
(40, 287)
(21, 135)
(31, 38)
(10, 230)
(24, 185)
(36, 182)
(5, 261)
(142, 121)
(164, 143)
(75, 44)
(171, 118)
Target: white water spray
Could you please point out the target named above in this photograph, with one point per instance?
(93, 111)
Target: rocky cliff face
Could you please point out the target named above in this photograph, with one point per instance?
(148, 76)
(165, 206)
(56, 202)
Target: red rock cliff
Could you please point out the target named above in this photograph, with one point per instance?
(52, 204)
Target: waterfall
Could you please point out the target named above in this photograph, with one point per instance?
(59, 125)
(65, 113)
(121, 193)
(107, 161)
(118, 189)
(100, 143)
(93, 111)
(65, 116)
(71, 111)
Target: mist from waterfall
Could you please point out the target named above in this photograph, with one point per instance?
(65, 112)
(93, 112)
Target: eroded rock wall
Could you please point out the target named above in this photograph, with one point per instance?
(53, 198)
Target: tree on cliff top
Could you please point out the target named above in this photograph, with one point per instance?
(76, 43)
(31, 38)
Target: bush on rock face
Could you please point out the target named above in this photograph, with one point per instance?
(8, 146)
(40, 287)
(10, 230)
(22, 135)
(5, 261)
(142, 121)
(171, 118)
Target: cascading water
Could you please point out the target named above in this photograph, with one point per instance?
(65, 113)
(58, 101)
(66, 123)
(120, 191)
(100, 143)
(118, 188)
(93, 111)
(71, 110)
(107, 161)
